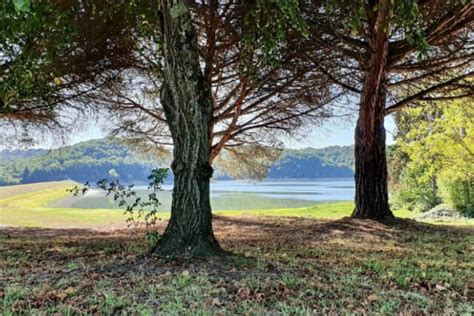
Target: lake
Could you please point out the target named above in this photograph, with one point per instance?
(241, 195)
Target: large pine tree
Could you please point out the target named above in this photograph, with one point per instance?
(161, 36)
(390, 55)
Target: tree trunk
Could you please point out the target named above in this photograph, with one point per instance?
(187, 101)
(371, 197)
(467, 193)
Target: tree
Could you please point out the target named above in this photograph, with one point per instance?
(26, 175)
(187, 102)
(439, 144)
(51, 55)
(414, 186)
(186, 98)
(252, 106)
(189, 106)
(391, 54)
(25, 85)
(223, 104)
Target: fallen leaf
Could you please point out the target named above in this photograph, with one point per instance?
(470, 284)
(259, 297)
(439, 287)
(469, 291)
(372, 298)
(216, 302)
(69, 291)
(243, 293)
(61, 295)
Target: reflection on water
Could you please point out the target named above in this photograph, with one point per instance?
(239, 195)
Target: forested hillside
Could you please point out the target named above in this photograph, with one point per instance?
(12, 155)
(87, 161)
(311, 163)
(93, 160)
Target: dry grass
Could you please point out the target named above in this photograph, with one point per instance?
(14, 190)
(279, 265)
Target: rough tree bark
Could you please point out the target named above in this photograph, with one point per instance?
(187, 101)
(371, 197)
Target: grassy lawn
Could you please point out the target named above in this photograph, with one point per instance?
(279, 265)
(286, 261)
(28, 206)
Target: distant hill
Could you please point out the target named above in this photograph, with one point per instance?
(11, 155)
(86, 161)
(94, 160)
(312, 163)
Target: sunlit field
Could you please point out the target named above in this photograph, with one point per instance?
(31, 206)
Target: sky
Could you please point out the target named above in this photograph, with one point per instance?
(336, 133)
(330, 134)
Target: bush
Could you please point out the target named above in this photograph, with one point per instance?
(458, 192)
(416, 192)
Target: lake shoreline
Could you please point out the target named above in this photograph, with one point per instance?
(237, 195)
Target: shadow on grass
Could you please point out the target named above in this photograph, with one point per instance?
(279, 265)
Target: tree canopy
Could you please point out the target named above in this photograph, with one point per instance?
(392, 55)
(438, 144)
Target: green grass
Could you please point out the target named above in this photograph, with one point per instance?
(14, 190)
(333, 210)
(284, 262)
(34, 195)
(279, 266)
(29, 206)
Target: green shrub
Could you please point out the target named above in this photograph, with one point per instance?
(459, 193)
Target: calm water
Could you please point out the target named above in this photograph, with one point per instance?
(240, 195)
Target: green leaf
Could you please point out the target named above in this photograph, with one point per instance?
(178, 10)
(21, 5)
